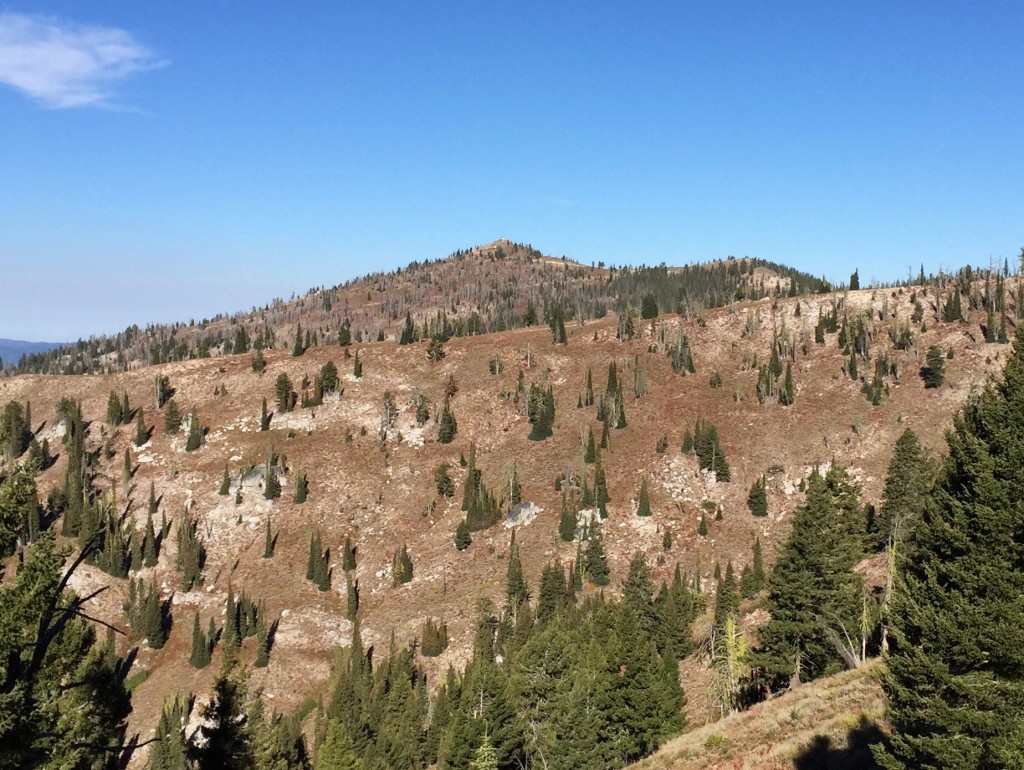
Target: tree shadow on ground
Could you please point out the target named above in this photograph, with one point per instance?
(821, 754)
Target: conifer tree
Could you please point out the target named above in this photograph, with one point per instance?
(357, 366)
(152, 507)
(264, 416)
(933, 372)
(955, 677)
(195, 433)
(351, 597)
(813, 588)
(149, 543)
(301, 487)
(757, 499)
(172, 417)
(567, 522)
(268, 542)
(463, 538)
(141, 431)
(595, 561)
(225, 483)
(516, 590)
(753, 579)
(906, 484)
(284, 393)
(727, 598)
(447, 426)
(644, 502)
(348, 555)
(200, 656)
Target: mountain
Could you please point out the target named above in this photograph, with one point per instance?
(370, 452)
(484, 289)
(11, 351)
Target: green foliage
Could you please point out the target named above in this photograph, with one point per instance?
(955, 667)
(301, 487)
(544, 417)
(15, 431)
(753, 580)
(401, 566)
(172, 417)
(757, 499)
(191, 552)
(907, 481)
(63, 700)
(813, 587)
(649, 306)
(225, 483)
(433, 638)
(595, 564)
(283, 392)
(202, 647)
(271, 484)
(708, 449)
(447, 426)
(933, 372)
(348, 555)
(19, 509)
(269, 542)
(463, 538)
(644, 499)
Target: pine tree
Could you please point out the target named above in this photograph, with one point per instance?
(955, 677)
(567, 521)
(463, 538)
(933, 372)
(225, 483)
(149, 543)
(301, 487)
(788, 392)
(447, 426)
(269, 542)
(516, 590)
(195, 433)
(264, 416)
(757, 500)
(141, 431)
(906, 484)
(644, 500)
(351, 597)
(812, 589)
(200, 656)
(357, 366)
(348, 555)
(172, 417)
(595, 562)
(727, 598)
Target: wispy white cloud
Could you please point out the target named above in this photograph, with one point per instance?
(64, 64)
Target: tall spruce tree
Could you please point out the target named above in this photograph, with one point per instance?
(907, 482)
(812, 588)
(955, 678)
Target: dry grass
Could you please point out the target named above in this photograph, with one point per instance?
(807, 727)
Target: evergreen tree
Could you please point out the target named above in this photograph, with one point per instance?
(200, 656)
(516, 590)
(595, 561)
(149, 543)
(225, 482)
(141, 431)
(753, 579)
(727, 598)
(301, 487)
(567, 522)
(644, 503)
(757, 500)
(812, 589)
(955, 677)
(788, 392)
(195, 433)
(338, 751)
(933, 373)
(906, 484)
(463, 538)
(227, 743)
(172, 417)
(264, 416)
(357, 366)
(348, 555)
(447, 426)
(269, 542)
(284, 393)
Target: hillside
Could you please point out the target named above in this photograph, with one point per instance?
(474, 291)
(378, 487)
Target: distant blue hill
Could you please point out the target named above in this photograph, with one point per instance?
(11, 351)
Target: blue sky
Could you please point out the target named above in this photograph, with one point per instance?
(166, 161)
